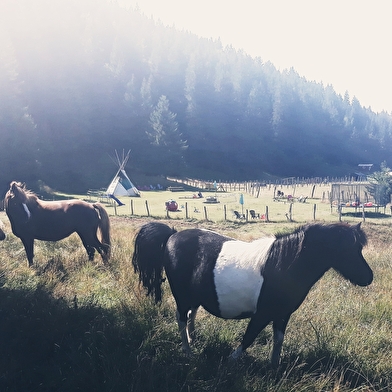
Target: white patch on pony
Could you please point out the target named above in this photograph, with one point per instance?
(27, 210)
(237, 275)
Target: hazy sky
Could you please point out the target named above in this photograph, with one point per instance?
(346, 43)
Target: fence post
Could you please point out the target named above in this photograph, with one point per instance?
(148, 211)
(131, 206)
(186, 210)
(225, 211)
(205, 213)
(314, 211)
(266, 214)
(289, 216)
(313, 189)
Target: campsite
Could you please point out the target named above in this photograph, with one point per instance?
(90, 327)
(303, 202)
(138, 157)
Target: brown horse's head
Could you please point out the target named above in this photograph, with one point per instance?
(17, 192)
(16, 202)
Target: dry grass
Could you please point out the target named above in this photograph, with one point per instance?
(69, 324)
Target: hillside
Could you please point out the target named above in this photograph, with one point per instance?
(80, 79)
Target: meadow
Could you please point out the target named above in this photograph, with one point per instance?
(317, 206)
(68, 324)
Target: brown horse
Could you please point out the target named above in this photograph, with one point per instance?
(32, 218)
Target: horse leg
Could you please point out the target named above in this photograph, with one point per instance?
(103, 250)
(279, 328)
(90, 249)
(28, 244)
(256, 325)
(182, 327)
(191, 325)
(91, 244)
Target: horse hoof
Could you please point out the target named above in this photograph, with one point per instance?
(236, 353)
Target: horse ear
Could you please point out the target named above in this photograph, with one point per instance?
(12, 187)
(15, 188)
(358, 226)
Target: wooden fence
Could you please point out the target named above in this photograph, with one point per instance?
(263, 215)
(254, 187)
(186, 212)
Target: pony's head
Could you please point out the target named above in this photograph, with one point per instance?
(17, 192)
(341, 244)
(352, 265)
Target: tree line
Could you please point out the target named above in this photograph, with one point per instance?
(80, 79)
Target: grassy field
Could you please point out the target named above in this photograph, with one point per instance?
(316, 207)
(68, 324)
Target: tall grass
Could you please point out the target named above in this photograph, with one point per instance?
(68, 325)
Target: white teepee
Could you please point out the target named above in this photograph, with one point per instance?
(121, 185)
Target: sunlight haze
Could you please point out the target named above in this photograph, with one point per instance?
(344, 43)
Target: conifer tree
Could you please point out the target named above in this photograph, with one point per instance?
(380, 186)
(164, 134)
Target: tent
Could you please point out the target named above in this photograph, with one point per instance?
(121, 185)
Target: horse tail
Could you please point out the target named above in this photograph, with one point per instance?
(148, 256)
(104, 228)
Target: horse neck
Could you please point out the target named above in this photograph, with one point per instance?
(31, 201)
(311, 267)
(304, 264)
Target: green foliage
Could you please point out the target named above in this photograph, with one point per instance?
(381, 185)
(166, 137)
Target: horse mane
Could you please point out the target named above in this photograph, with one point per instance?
(288, 246)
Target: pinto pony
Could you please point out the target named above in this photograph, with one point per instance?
(265, 280)
(32, 218)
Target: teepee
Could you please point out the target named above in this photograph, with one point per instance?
(121, 185)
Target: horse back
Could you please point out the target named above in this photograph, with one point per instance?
(190, 259)
(193, 248)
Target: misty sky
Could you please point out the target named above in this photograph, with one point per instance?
(345, 43)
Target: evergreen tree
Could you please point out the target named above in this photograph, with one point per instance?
(165, 136)
(381, 185)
